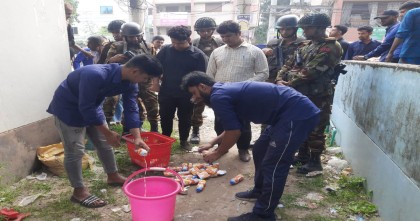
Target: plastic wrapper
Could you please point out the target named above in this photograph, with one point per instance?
(203, 175)
(184, 166)
(189, 182)
(237, 179)
(212, 170)
(200, 186)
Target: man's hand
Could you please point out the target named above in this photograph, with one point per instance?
(87, 54)
(389, 57)
(211, 156)
(139, 143)
(283, 83)
(268, 51)
(359, 58)
(119, 58)
(113, 138)
(205, 147)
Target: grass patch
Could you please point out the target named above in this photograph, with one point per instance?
(317, 217)
(289, 198)
(312, 183)
(352, 198)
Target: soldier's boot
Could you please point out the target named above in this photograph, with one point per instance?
(302, 157)
(195, 135)
(314, 164)
(154, 127)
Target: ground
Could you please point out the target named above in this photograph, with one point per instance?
(303, 199)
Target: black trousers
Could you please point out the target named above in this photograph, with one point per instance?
(167, 107)
(244, 140)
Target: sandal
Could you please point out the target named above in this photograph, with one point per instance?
(91, 201)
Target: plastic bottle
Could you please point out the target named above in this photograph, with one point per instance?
(200, 186)
(142, 152)
(237, 179)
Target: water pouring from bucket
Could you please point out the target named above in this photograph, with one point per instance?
(159, 203)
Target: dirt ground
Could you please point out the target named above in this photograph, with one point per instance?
(216, 202)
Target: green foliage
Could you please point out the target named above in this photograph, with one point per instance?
(362, 207)
(352, 198)
(261, 31)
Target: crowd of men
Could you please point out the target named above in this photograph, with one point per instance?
(286, 87)
(399, 44)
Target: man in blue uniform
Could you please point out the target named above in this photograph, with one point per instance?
(76, 106)
(290, 116)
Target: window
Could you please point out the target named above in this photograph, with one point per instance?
(75, 30)
(213, 7)
(106, 10)
(150, 11)
(172, 9)
(188, 8)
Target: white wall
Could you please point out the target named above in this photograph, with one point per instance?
(92, 20)
(34, 59)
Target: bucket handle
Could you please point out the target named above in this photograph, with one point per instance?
(127, 139)
(162, 169)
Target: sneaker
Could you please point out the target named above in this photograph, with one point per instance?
(195, 138)
(185, 145)
(244, 155)
(249, 195)
(250, 217)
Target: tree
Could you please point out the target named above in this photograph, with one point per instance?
(261, 30)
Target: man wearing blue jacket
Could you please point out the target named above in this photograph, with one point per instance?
(389, 19)
(290, 115)
(76, 106)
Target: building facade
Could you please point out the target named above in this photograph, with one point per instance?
(163, 14)
(356, 13)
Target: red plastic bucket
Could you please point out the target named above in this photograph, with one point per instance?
(160, 150)
(152, 198)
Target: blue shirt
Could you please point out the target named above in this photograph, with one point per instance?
(81, 58)
(360, 48)
(176, 64)
(258, 102)
(382, 50)
(410, 31)
(78, 100)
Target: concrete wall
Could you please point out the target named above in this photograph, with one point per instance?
(377, 113)
(35, 59)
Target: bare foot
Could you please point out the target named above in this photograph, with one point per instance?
(115, 178)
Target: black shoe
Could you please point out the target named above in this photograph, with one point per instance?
(302, 157)
(185, 145)
(250, 217)
(249, 195)
(314, 164)
(244, 155)
(195, 135)
(195, 138)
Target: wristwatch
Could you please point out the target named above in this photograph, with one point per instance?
(365, 57)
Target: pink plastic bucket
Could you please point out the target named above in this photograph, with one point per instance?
(159, 202)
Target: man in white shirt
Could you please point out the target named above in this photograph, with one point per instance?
(234, 62)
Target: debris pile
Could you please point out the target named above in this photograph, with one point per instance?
(198, 173)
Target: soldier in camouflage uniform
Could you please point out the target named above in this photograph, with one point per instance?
(309, 72)
(110, 103)
(205, 27)
(279, 50)
(121, 52)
